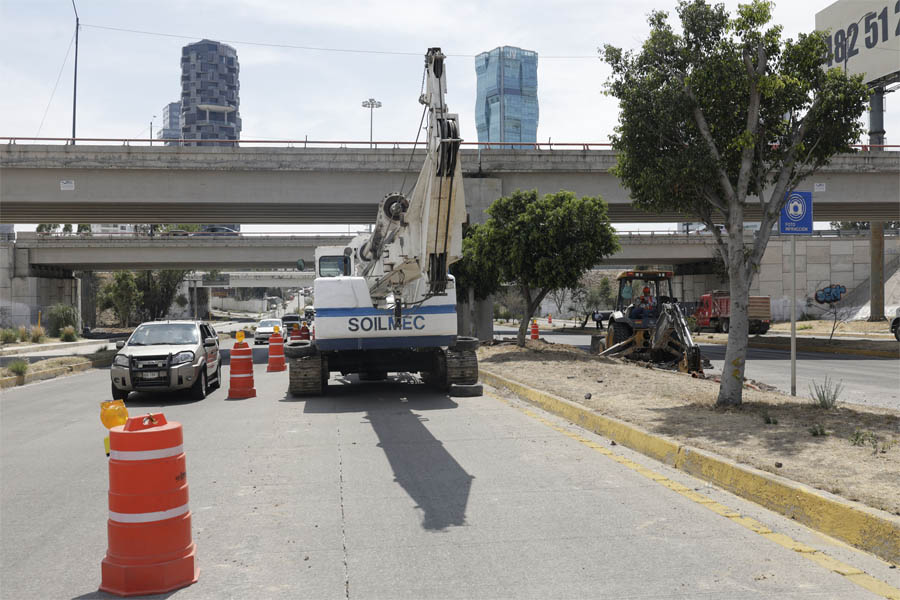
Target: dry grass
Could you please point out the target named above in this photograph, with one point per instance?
(683, 408)
(824, 327)
(50, 363)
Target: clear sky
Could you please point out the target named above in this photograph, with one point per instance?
(124, 79)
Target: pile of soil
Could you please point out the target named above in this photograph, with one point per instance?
(681, 407)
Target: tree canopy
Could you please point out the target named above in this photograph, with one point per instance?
(719, 121)
(543, 243)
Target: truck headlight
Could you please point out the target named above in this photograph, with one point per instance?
(183, 357)
(121, 360)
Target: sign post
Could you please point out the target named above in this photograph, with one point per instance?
(796, 219)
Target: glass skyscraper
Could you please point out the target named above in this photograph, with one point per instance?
(210, 99)
(171, 123)
(506, 105)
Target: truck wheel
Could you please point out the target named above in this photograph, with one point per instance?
(464, 342)
(724, 325)
(620, 333)
(299, 349)
(118, 394)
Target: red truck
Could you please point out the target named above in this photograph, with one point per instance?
(714, 312)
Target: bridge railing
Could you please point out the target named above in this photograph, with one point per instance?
(642, 236)
(338, 144)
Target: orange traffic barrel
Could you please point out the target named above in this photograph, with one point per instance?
(295, 332)
(276, 353)
(304, 331)
(241, 384)
(534, 330)
(149, 528)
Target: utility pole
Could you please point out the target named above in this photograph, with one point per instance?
(371, 104)
(75, 83)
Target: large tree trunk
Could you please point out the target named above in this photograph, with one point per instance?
(732, 386)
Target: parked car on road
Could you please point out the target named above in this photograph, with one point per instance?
(288, 320)
(166, 356)
(217, 231)
(265, 329)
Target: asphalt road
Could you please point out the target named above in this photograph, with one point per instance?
(867, 380)
(386, 490)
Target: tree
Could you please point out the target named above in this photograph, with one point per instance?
(158, 289)
(122, 295)
(475, 271)
(47, 227)
(559, 298)
(545, 243)
(606, 293)
(723, 119)
(83, 228)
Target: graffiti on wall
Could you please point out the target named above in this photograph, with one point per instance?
(830, 294)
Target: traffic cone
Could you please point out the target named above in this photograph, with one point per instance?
(534, 329)
(150, 548)
(241, 384)
(276, 353)
(295, 332)
(549, 319)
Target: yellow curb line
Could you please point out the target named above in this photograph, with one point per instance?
(865, 528)
(822, 349)
(850, 572)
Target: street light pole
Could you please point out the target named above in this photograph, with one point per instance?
(151, 130)
(371, 104)
(75, 82)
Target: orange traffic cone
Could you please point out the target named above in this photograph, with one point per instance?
(550, 319)
(276, 353)
(534, 329)
(241, 384)
(149, 528)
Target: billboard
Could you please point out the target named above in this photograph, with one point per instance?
(863, 37)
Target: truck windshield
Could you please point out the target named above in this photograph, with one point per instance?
(270, 323)
(164, 333)
(334, 266)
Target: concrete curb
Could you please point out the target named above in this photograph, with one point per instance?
(16, 380)
(823, 349)
(858, 525)
(54, 346)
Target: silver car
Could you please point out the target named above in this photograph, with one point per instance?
(265, 329)
(165, 356)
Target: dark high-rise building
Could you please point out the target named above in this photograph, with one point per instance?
(171, 123)
(506, 106)
(210, 98)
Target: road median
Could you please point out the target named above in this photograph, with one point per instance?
(77, 364)
(733, 449)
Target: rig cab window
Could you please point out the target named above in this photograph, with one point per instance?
(334, 266)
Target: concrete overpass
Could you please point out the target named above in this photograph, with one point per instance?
(158, 184)
(37, 252)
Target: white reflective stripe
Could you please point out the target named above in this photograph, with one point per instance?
(148, 517)
(246, 375)
(146, 454)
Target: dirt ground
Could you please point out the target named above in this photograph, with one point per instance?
(683, 408)
(50, 363)
(824, 327)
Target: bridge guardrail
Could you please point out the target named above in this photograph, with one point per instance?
(396, 145)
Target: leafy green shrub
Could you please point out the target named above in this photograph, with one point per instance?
(18, 367)
(826, 395)
(68, 334)
(60, 316)
(23, 333)
(804, 326)
(9, 336)
(37, 334)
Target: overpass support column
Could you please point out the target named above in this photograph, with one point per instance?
(876, 272)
